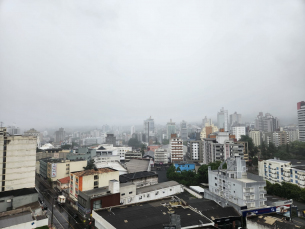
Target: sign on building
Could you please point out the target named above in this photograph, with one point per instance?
(54, 168)
(259, 211)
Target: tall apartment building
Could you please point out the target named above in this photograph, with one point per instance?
(277, 171)
(176, 148)
(13, 130)
(35, 133)
(195, 150)
(149, 123)
(170, 128)
(301, 120)
(280, 138)
(235, 119)
(238, 131)
(111, 139)
(266, 123)
(207, 130)
(132, 130)
(161, 156)
(206, 122)
(222, 119)
(256, 137)
(183, 130)
(17, 161)
(293, 135)
(234, 186)
(60, 135)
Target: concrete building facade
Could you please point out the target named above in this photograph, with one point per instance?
(256, 137)
(17, 161)
(176, 148)
(161, 156)
(222, 119)
(301, 120)
(238, 131)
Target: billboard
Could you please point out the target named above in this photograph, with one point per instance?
(283, 210)
(53, 170)
(259, 211)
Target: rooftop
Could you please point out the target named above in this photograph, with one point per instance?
(156, 187)
(97, 192)
(245, 180)
(15, 219)
(149, 215)
(137, 165)
(277, 160)
(64, 180)
(18, 192)
(93, 172)
(132, 176)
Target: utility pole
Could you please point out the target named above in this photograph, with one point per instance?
(148, 135)
(52, 212)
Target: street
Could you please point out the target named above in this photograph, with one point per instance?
(62, 215)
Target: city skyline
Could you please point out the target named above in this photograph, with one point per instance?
(164, 59)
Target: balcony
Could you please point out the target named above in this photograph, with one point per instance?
(287, 179)
(263, 191)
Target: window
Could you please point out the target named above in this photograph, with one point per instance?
(215, 184)
(95, 183)
(130, 192)
(123, 194)
(157, 193)
(232, 175)
(97, 204)
(148, 195)
(95, 177)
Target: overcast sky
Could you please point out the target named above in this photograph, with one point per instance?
(75, 62)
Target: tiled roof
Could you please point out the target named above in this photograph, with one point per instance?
(93, 172)
(64, 180)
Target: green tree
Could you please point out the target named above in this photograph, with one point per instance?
(134, 143)
(90, 165)
(255, 161)
(165, 142)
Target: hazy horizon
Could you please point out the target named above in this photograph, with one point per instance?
(75, 63)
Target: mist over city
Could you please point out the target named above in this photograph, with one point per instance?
(152, 114)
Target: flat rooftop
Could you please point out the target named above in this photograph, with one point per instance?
(149, 215)
(97, 192)
(15, 219)
(245, 180)
(277, 160)
(132, 176)
(93, 172)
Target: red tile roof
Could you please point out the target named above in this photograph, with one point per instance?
(64, 180)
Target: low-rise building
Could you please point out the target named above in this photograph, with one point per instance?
(161, 156)
(184, 166)
(63, 184)
(132, 155)
(59, 168)
(112, 165)
(90, 179)
(138, 165)
(277, 171)
(153, 147)
(140, 179)
(235, 187)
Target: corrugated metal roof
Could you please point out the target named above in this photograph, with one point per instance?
(16, 219)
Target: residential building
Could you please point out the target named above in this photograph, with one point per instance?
(140, 179)
(170, 128)
(206, 122)
(245, 150)
(109, 149)
(238, 131)
(280, 138)
(60, 135)
(277, 171)
(184, 166)
(195, 150)
(56, 169)
(267, 137)
(301, 120)
(267, 123)
(13, 130)
(235, 119)
(17, 160)
(233, 149)
(161, 156)
(35, 133)
(176, 148)
(81, 154)
(183, 130)
(222, 119)
(90, 179)
(235, 187)
(95, 133)
(256, 137)
(111, 139)
(293, 135)
(92, 141)
(207, 130)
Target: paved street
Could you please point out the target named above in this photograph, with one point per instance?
(62, 215)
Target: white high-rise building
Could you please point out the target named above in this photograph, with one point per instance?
(256, 137)
(235, 119)
(222, 119)
(132, 130)
(17, 161)
(301, 120)
(238, 131)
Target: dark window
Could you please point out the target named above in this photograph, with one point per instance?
(95, 177)
(123, 194)
(95, 183)
(130, 192)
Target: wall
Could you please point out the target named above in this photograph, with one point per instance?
(126, 189)
(146, 181)
(19, 201)
(20, 162)
(100, 222)
(104, 178)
